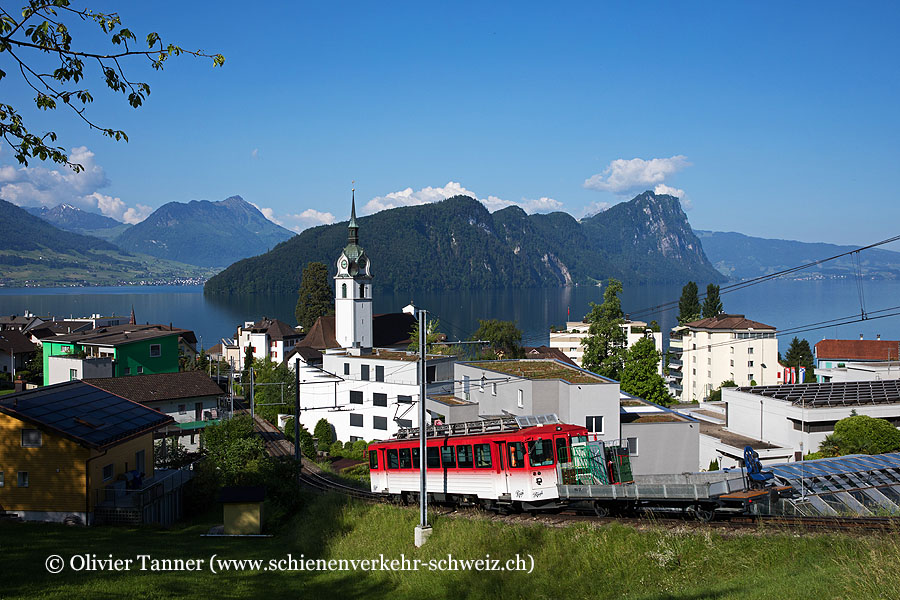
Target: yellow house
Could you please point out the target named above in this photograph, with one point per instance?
(62, 447)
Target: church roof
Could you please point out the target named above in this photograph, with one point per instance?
(388, 330)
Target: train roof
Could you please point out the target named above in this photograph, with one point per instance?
(502, 425)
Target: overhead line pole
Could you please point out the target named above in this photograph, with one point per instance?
(423, 530)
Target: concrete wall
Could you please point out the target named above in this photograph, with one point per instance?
(664, 447)
(59, 369)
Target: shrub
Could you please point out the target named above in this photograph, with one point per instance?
(336, 449)
(866, 435)
(323, 433)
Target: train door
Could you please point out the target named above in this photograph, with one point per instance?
(542, 468)
(518, 479)
(502, 474)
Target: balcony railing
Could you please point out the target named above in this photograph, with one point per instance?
(163, 482)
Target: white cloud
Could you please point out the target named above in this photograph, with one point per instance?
(40, 186)
(686, 203)
(635, 175)
(254, 153)
(297, 222)
(408, 197)
(594, 208)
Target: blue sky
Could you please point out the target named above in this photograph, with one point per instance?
(769, 120)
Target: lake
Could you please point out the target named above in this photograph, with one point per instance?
(784, 304)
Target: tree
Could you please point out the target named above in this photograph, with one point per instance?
(716, 394)
(503, 337)
(432, 338)
(35, 367)
(604, 348)
(323, 433)
(799, 354)
(862, 434)
(41, 49)
(245, 373)
(639, 373)
(689, 304)
(712, 304)
(315, 298)
(273, 390)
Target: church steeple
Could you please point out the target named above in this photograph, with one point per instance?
(353, 292)
(353, 238)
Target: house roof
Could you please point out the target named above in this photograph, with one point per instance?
(52, 329)
(86, 414)
(858, 349)
(726, 321)
(159, 386)
(539, 352)
(15, 342)
(308, 354)
(277, 330)
(388, 330)
(216, 350)
(125, 334)
(540, 369)
(842, 393)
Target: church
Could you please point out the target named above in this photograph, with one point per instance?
(368, 384)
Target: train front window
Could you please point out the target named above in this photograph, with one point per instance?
(483, 456)
(448, 460)
(405, 460)
(392, 462)
(373, 459)
(516, 455)
(415, 457)
(540, 453)
(464, 457)
(578, 439)
(433, 458)
(562, 450)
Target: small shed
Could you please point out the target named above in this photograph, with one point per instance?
(243, 509)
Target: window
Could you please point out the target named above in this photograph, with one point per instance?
(483, 456)
(594, 424)
(481, 384)
(343, 290)
(694, 358)
(73, 374)
(156, 350)
(182, 409)
(749, 363)
(434, 458)
(22, 479)
(404, 399)
(362, 290)
(140, 370)
(709, 374)
(354, 438)
(732, 362)
(108, 471)
(379, 399)
(356, 397)
(404, 422)
(520, 399)
(346, 368)
(709, 361)
(693, 371)
(562, 450)
(31, 438)
(516, 455)
(632, 446)
(540, 453)
(373, 459)
(379, 373)
(732, 349)
(364, 372)
(493, 389)
(464, 457)
(392, 461)
(448, 460)
(405, 458)
(356, 420)
(750, 377)
(139, 461)
(379, 423)
(750, 350)
(2, 482)
(415, 457)
(128, 370)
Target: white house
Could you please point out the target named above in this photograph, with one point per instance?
(859, 371)
(267, 338)
(726, 347)
(570, 341)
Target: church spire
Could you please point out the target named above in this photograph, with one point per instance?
(353, 227)
(132, 321)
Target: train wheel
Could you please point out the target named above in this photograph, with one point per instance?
(601, 510)
(702, 513)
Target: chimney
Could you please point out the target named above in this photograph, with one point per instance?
(860, 336)
(20, 385)
(877, 336)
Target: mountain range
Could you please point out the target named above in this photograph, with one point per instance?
(458, 244)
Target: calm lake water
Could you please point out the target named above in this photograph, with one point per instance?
(781, 303)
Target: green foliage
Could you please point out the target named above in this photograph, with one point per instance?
(232, 446)
(307, 444)
(315, 298)
(713, 465)
(639, 375)
(35, 367)
(273, 390)
(862, 434)
(433, 336)
(504, 337)
(689, 304)
(654, 326)
(168, 453)
(604, 348)
(336, 449)
(712, 304)
(481, 250)
(799, 354)
(323, 432)
(716, 394)
(40, 30)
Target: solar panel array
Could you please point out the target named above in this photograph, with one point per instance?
(843, 393)
(81, 411)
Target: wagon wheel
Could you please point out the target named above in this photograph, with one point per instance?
(601, 510)
(702, 513)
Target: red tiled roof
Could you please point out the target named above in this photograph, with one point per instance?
(547, 352)
(159, 386)
(389, 330)
(858, 349)
(14, 341)
(726, 321)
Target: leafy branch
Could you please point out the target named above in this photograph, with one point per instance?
(41, 29)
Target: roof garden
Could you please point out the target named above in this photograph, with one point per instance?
(540, 369)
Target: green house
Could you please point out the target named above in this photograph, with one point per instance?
(115, 351)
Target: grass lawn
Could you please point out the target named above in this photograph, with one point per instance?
(580, 561)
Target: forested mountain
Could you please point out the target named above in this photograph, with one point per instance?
(211, 234)
(20, 230)
(743, 257)
(72, 218)
(458, 244)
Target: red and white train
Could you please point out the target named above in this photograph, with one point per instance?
(509, 468)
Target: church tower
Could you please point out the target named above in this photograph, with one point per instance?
(353, 293)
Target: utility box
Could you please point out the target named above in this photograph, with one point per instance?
(244, 509)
